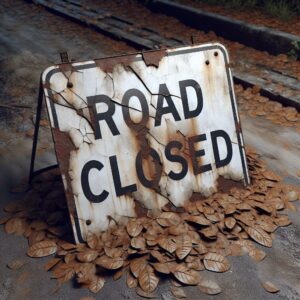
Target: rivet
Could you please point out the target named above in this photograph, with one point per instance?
(88, 222)
(69, 84)
(216, 53)
(207, 62)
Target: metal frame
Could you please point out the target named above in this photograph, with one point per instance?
(33, 173)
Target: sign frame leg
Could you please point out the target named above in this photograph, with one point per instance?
(33, 173)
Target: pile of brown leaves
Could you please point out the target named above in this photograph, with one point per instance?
(177, 243)
(255, 105)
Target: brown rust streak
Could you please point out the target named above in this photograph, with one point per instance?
(152, 58)
(224, 186)
(107, 64)
(63, 148)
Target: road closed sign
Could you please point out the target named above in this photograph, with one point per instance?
(140, 131)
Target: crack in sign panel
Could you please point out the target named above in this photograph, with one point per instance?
(146, 87)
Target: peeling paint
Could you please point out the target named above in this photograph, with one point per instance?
(153, 58)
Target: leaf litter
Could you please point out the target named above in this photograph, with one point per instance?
(173, 244)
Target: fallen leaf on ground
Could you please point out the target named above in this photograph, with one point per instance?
(15, 264)
(270, 287)
(178, 292)
(42, 249)
(209, 287)
(216, 262)
(185, 275)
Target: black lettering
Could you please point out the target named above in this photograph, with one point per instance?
(93, 164)
(106, 116)
(149, 183)
(125, 108)
(117, 180)
(161, 110)
(195, 154)
(176, 158)
(214, 136)
(188, 114)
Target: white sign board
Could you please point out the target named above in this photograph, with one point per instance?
(143, 130)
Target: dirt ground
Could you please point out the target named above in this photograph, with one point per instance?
(30, 40)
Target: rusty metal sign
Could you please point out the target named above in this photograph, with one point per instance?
(143, 130)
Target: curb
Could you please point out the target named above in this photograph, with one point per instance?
(259, 37)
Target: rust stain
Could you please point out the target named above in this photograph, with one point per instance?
(139, 209)
(63, 147)
(225, 185)
(152, 58)
(67, 67)
(238, 127)
(107, 64)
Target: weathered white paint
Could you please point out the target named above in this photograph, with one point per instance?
(217, 113)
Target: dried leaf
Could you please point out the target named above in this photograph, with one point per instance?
(113, 252)
(4, 219)
(15, 264)
(200, 220)
(209, 287)
(178, 292)
(148, 281)
(109, 263)
(39, 225)
(42, 249)
(134, 228)
(230, 222)
(216, 262)
(165, 268)
(137, 265)
(178, 229)
(282, 220)
(51, 263)
(210, 232)
(92, 240)
(144, 294)
(236, 250)
(138, 243)
(292, 195)
(36, 236)
(131, 281)
(96, 284)
(167, 219)
(185, 275)
(157, 255)
(15, 225)
(200, 248)
(85, 272)
(167, 244)
(260, 236)
(270, 287)
(257, 254)
(69, 258)
(69, 273)
(87, 256)
(184, 246)
(118, 274)
(195, 264)
(67, 246)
